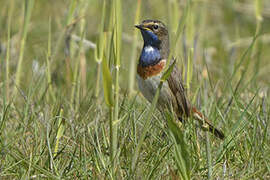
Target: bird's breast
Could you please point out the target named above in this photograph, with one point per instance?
(149, 86)
(151, 70)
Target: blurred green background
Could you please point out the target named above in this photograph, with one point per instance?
(223, 30)
(54, 121)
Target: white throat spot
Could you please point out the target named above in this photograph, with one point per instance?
(149, 49)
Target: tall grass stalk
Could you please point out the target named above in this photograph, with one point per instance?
(69, 51)
(107, 43)
(60, 131)
(98, 79)
(190, 34)
(117, 57)
(50, 152)
(181, 153)
(107, 84)
(209, 157)
(258, 13)
(180, 29)
(28, 6)
(48, 61)
(174, 14)
(132, 67)
(259, 20)
(64, 30)
(82, 59)
(10, 13)
(76, 77)
(207, 139)
(189, 68)
(99, 51)
(79, 70)
(109, 99)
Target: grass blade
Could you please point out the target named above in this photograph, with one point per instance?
(29, 4)
(133, 57)
(107, 84)
(10, 13)
(181, 154)
(60, 131)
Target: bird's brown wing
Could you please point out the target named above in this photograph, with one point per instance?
(178, 90)
(184, 108)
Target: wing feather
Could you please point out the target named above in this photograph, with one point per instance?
(183, 108)
(178, 90)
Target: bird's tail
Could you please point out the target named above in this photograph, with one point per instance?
(206, 124)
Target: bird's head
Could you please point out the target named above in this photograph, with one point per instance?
(154, 33)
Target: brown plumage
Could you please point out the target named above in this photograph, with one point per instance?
(183, 107)
(173, 92)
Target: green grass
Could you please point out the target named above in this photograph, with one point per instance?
(69, 105)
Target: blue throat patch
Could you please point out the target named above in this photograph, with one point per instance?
(150, 54)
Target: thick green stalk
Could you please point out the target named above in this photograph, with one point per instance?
(133, 61)
(98, 80)
(76, 76)
(189, 68)
(29, 4)
(48, 61)
(117, 48)
(60, 131)
(180, 29)
(112, 154)
(173, 14)
(116, 112)
(259, 20)
(99, 51)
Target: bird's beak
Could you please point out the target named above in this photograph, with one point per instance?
(139, 26)
(142, 27)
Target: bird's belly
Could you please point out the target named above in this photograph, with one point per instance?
(149, 86)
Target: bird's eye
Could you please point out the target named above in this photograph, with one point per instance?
(155, 27)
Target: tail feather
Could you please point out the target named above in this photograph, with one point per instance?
(206, 124)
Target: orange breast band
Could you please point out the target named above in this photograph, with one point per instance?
(149, 71)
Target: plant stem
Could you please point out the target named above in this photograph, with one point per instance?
(209, 158)
(29, 4)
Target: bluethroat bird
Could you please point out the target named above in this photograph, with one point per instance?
(150, 68)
